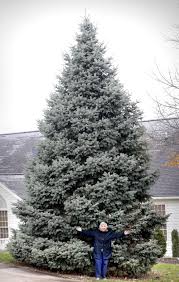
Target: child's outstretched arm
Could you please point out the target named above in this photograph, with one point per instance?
(120, 235)
(88, 233)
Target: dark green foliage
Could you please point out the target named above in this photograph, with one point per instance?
(159, 236)
(92, 166)
(175, 243)
(49, 254)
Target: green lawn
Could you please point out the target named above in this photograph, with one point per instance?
(6, 257)
(169, 272)
(160, 272)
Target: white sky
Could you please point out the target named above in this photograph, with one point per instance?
(35, 34)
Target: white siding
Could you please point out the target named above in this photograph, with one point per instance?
(10, 199)
(172, 208)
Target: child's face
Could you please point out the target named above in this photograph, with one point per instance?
(103, 227)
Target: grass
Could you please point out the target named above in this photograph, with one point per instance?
(6, 257)
(169, 272)
(160, 272)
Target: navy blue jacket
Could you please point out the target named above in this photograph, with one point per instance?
(102, 241)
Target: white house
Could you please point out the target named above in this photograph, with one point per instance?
(17, 148)
(7, 219)
(163, 140)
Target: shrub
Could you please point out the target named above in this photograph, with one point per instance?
(175, 243)
(159, 236)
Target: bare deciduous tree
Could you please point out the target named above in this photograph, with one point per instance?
(168, 108)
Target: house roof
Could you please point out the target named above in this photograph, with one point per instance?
(15, 183)
(163, 140)
(15, 150)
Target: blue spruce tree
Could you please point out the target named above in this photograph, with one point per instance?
(92, 165)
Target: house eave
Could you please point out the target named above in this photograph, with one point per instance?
(9, 191)
(166, 198)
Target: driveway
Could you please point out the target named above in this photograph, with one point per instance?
(10, 273)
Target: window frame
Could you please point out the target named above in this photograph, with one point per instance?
(4, 229)
(161, 210)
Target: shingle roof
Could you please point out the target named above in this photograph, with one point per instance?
(17, 148)
(15, 183)
(163, 140)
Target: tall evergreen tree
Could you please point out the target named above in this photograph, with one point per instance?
(91, 166)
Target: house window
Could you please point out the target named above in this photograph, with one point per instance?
(3, 219)
(160, 209)
(3, 224)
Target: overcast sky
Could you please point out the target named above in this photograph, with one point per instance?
(35, 34)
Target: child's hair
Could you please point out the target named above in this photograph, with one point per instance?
(103, 222)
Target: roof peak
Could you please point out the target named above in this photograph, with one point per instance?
(20, 132)
(37, 131)
(160, 119)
